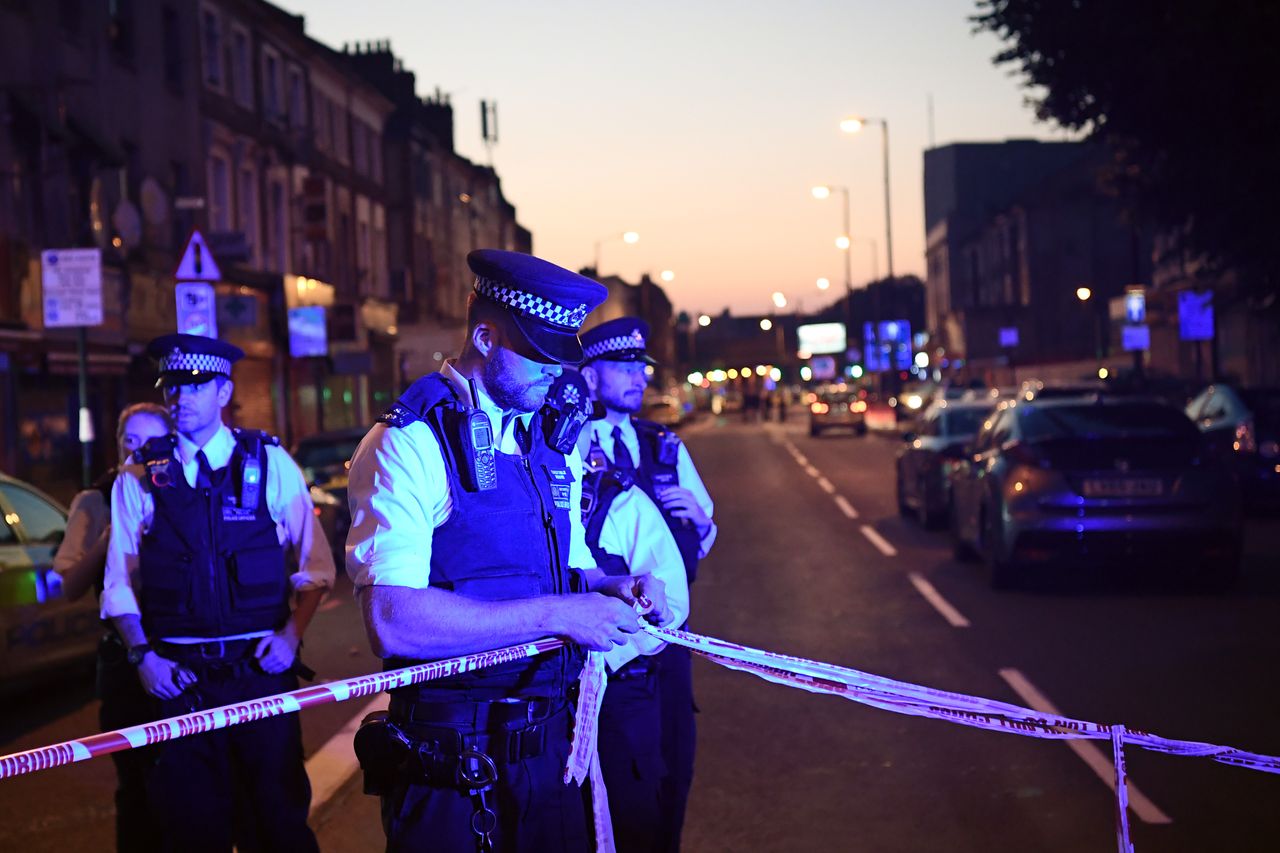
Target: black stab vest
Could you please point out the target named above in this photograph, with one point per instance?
(659, 451)
(210, 567)
(504, 543)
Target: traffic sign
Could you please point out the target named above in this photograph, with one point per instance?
(71, 281)
(1195, 315)
(197, 309)
(197, 262)
(1136, 338)
(1008, 336)
(1135, 307)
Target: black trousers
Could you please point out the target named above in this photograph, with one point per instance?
(245, 785)
(679, 737)
(537, 812)
(631, 762)
(125, 703)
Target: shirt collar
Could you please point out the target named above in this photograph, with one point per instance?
(486, 405)
(603, 429)
(217, 449)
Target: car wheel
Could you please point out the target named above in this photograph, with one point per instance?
(1000, 571)
(861, 429)
(903, 509)
(814, 432)
(960, 549)
(927, 518)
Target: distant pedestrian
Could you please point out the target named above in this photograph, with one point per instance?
(80, 562)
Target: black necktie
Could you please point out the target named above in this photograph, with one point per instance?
(204, 474)
(621, 455)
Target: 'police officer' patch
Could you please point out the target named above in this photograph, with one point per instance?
(235, 513)
(561, 480)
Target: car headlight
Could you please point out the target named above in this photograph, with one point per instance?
(914, 401)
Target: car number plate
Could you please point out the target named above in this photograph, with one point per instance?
(1128, 487)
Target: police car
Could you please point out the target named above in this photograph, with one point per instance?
(40, 630)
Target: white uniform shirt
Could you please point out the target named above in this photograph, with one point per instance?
(602, 431)
(288, 501)
(398, 491)
(635, 530)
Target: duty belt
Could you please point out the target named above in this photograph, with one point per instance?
(507, 731)
(634, 670)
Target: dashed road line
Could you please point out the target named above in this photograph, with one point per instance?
(811, 471)
(826, 485)
(846, 507)
(879, 541)
(1087, 750)
(940, 604)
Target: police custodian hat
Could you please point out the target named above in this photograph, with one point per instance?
(547, 302)
(192, 359)
(623, 339)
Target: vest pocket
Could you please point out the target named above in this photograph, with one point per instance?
(258, 577)
(166, 583)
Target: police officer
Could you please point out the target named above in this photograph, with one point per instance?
(628, 535)
(615, 367)
(198, 586)
(465, 536)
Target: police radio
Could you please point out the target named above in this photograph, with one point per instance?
(251, 475)
(480, 466)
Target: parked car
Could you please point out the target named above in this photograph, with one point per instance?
(664, 408)
(928, 454)
(1041, 389)
(837, 409)
(1095, 481)
(325, 460)
(40, 631)
(1242, 426)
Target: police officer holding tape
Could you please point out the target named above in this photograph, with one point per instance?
(616, 369)
(198, 586)
(465, 536)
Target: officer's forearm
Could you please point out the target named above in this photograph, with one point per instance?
(78, 578)
(427, 624)
(304, 609)
(130, 629)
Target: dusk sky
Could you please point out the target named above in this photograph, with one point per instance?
(702, 124)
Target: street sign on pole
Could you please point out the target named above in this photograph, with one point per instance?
(197, 309)
(1136, 338)
(1135, 306)
(1195, 315)
(197, 262)
(1008, 336)
(71, 280)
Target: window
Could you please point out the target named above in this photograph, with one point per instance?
(241, 66)
(171, 35)
(297, 101)
(359, 147)
(272, 96)
(211, 35)
(120, 28)
(320, 114)
(40, 519)
(338, 124)
(219, 193)
(375, 155)
(248, 198)
(279, 227)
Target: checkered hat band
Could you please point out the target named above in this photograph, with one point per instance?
(570, 319)
(195, 361)
(621, 343)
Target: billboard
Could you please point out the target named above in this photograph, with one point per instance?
(307, 334)
(819, 338)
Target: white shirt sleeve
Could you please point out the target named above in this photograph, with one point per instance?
(689, 478)
(398, 493)
(86, 519)
(580, 556)
(635, 530)
(131, 512)
(289, 502)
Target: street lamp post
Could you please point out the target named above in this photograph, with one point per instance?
(853, 125)
(844, 242)
(625, 236)
(1084, 294)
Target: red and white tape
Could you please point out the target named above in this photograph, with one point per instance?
(898, 696)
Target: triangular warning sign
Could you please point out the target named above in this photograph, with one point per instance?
(197, 262)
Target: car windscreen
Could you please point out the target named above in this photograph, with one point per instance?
(317, 456)
(1265, 406)
(964, 421)
(1109, 421)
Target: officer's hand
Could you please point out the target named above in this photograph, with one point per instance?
(681, 503)
(644, 590)
(275, 652)
(162, 677)
(597, 622)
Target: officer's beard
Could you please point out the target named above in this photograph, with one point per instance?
(508, 393)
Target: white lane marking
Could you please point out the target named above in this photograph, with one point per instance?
(811, 471)
(846, 507)
(1087, 750)
(879, 541)
(826, 486)
(335, 762)
(940, 604)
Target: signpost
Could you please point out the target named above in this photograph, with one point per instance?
(193, 294)
(1195, 322)
(71, 285)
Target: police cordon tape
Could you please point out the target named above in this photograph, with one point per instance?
(876, 691)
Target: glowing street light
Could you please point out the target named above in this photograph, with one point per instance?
(704, 320)
(821, 193)
(842, 243)
(766, 324)
(779, 301)
(824, 283)
(854, 124)
(1083, 294)
(667, 276)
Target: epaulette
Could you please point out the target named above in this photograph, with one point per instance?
(264, 437)
(397, 416)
